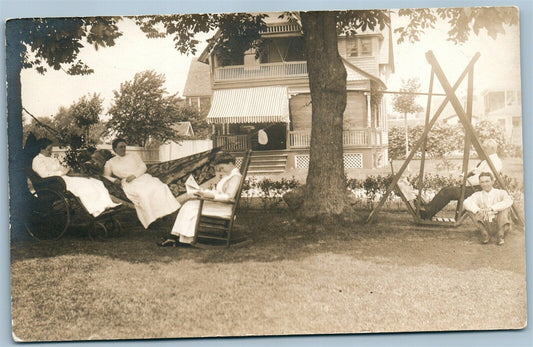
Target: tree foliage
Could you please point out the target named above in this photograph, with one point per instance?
(56, 42)
(462, 21)
(77, 124)
(443, 139)
(77, 127)
(406, 103)
(40, 128)
(142, 111)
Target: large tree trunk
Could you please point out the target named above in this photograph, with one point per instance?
(326, 189)
(18, 188)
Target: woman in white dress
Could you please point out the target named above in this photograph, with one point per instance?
(151, 197)
(91, 192)
(226, 188)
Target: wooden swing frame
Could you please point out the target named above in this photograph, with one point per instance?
(471, 138)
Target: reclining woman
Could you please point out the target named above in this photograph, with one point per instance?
(151, 197)
(226, 188)
(91, 192)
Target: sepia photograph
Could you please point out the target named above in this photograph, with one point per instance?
(252, 174)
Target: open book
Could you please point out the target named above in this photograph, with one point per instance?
(191, 185)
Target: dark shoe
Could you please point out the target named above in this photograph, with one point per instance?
(167, 243)
(424, 214)
(485, 239)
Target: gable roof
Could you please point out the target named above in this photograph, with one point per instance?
(183, 128)
(353, 73)
(198, 81)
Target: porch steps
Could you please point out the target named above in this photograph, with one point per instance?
(267, 163)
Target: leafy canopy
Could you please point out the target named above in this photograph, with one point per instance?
(56, 42)
(406, 103)
(141, 111)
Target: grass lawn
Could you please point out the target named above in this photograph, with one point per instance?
(291, 279)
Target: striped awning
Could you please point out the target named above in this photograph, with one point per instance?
(249, 105)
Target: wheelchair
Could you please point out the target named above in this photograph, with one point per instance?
(52, 210)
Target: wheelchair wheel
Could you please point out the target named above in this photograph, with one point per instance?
(98, 231)
(49, 217)
(113, 227)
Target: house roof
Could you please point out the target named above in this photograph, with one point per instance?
(353, 73)
(183, 128)
(198, 81)
(250, 105)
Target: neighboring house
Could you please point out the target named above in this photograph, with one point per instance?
(197, 90)
(270, 96)
(171, 150)
(504, 106)
(184, 129)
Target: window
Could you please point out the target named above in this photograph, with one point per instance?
(494, 101)
(283, 49)
(359, 47)
(510, 97)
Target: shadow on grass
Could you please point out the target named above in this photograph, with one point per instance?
(275, 237)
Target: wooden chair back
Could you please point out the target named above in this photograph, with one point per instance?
(223, 225)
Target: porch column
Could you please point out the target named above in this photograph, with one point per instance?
(368, 111)
(287, 136)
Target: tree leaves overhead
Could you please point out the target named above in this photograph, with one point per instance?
(56, 42)
(181, 27)
(237, 32)
(357, 21)
(462, 21)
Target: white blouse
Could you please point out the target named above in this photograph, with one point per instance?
(227, 186)
(122, 167)
(47, 166)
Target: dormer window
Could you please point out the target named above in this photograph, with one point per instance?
(359, 47)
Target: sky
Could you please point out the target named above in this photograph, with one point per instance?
(42, 95)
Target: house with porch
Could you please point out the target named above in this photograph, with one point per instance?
(504, 107)
(264, 103)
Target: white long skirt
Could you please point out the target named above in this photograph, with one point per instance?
(186, 219)
(151, 197)
(91, 192)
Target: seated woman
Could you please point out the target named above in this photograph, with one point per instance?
(226, 188)
(151, 197)
(92, 193)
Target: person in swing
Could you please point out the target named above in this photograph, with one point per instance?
(447, 194)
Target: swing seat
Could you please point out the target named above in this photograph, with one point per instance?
(441, 221)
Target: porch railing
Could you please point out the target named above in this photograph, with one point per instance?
(271, 70)
(362, 137)
(232, 143)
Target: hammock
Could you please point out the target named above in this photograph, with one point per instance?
(173, 173)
